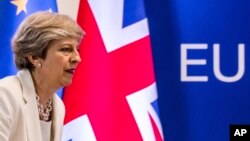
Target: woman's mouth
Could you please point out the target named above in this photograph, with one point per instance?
(71, 71)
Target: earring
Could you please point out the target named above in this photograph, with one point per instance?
(38, 65)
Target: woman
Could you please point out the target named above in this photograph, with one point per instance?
(46, 54)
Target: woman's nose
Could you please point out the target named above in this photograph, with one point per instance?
(76, 57)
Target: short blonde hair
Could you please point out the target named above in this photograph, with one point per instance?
(37, 31)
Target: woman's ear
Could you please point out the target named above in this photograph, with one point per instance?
(35, 60)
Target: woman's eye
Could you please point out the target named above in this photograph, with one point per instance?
(65, 49)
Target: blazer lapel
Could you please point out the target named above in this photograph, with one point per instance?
(57, 119)
(30, 107)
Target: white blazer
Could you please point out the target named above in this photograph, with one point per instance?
(19, 118)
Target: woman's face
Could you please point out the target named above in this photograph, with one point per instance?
(61, 61)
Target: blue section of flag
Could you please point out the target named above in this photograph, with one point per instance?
(36, 5)
(133, 12)
(155, 106)
(7, 15)
(60, 92)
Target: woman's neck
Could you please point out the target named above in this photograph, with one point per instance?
(44, 89)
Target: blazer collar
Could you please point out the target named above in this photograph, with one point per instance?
(30, 107)
(31, 110)
(57, 119)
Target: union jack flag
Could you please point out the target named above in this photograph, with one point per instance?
(113, 96)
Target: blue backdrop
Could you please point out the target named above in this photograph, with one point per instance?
(201, 110)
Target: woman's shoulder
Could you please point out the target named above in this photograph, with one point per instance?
(10, 83)
(59, 102)
(59, 106)
(9, 88)
(10, 96)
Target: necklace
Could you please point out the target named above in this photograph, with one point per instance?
(44, 112)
